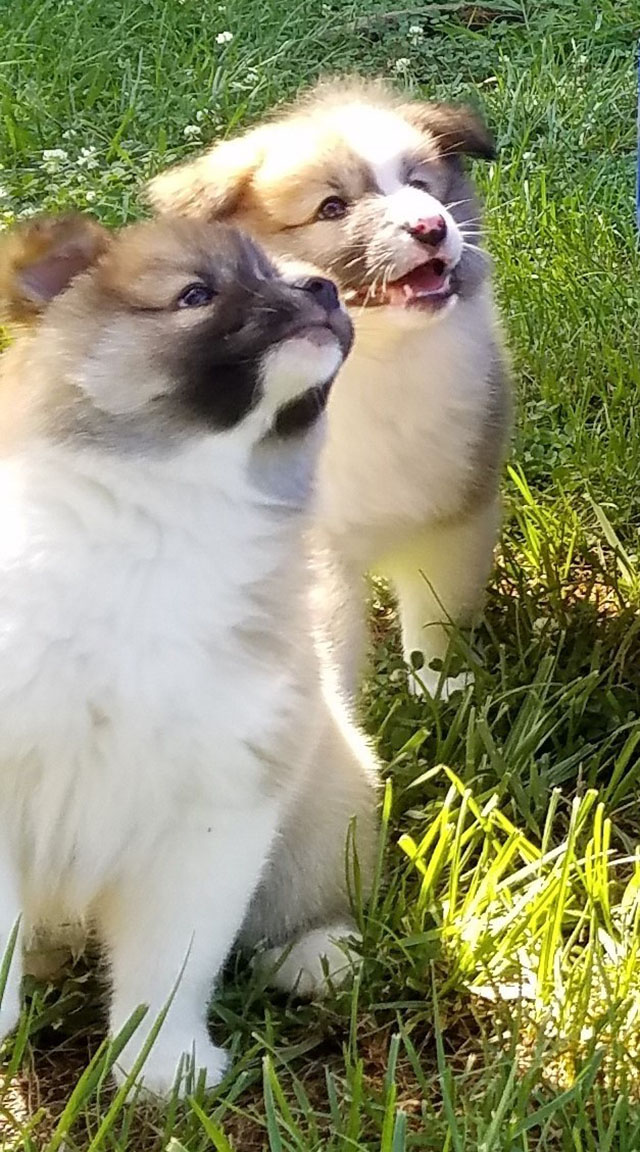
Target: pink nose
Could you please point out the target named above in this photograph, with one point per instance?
(430, 230)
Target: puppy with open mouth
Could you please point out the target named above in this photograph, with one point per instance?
(372, 189)
(168, 766)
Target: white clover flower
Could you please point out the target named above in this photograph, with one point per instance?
(416, 33)
(87, 158)
(53, 158)
(402, 63)
(192, 131)
(224, 37)
(90, 196)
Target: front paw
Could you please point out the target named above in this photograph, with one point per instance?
(427, 682)
(176, 1059)
(319, 960)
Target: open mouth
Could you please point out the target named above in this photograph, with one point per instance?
(428, 286)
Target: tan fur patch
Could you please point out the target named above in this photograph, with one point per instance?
(275, 175)
(272, 180)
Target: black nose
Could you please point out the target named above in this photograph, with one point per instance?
(324, 291)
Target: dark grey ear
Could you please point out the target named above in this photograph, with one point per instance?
(457, 129)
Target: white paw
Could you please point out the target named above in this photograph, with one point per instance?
(426, 682)
(318, 960)
(172, 1053)
(49, 951)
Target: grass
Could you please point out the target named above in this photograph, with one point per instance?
(497, 1008)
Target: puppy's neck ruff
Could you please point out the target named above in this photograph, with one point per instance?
(390, 328)
(196, 493)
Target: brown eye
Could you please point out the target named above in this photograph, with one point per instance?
(332, 208)
(195, 296)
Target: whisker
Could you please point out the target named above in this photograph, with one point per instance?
(499, 207)
(351, 263)
(385, 278)
(475, 248)
(380, 274)
(372, 290)
(457, 203)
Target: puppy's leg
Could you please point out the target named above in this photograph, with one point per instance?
(440, 581)
(9, 915)
(171, 927)
(318, 960)
(338, 594)
(302, 908)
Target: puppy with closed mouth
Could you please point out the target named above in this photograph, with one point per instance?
(372, 189)
(161, 715)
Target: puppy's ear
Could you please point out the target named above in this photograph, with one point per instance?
(211, 186)
(457, 129)
(40, 258)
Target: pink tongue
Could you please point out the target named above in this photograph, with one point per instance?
(427, 280)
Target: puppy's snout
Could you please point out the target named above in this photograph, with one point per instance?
(429, 230)
(323, 291)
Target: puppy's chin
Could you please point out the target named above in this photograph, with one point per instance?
(401, 319)
(305, 362)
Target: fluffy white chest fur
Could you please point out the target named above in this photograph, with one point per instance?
(129, 694)
(164, 741)
(408, 477)
(405, 421)
(372, 188)
(169, 767)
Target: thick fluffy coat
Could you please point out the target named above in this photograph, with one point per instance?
(163, 734)
(372, 189)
